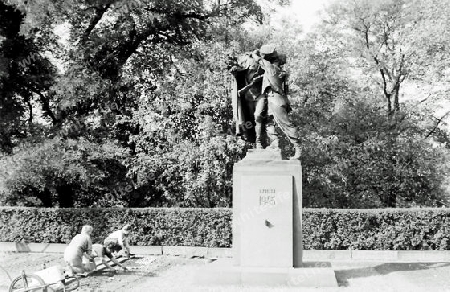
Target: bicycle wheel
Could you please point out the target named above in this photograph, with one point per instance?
(71, 284)
(25, 283)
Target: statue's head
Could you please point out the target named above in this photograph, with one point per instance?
(231, 61)
(269, 53)
(247, 61)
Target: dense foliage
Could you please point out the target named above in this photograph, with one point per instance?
(106, 103)
(120, 121)
(157, 226)
(389, 229)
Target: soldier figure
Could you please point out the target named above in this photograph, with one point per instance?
(275, 88)
(262, 98)
(249, 103)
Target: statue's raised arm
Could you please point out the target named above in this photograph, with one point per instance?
(259, 98)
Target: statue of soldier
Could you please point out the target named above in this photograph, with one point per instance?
(249, 104)
(274, 87)
(260, 100)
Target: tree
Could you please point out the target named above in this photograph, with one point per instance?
(137, 112)
(186, 148)
(395, 39)
(62, 172)
(25, 76)
(385, 39)
(116, 56)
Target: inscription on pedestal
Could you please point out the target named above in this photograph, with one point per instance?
(266, 221)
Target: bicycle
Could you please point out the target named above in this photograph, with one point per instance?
(32, 282)
(48, 280)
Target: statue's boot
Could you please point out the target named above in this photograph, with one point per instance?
(273, 136)
(274, 144)
(258, 130)
(298, 151)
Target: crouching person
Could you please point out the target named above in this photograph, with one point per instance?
(79, 246)
(107, 250)
(122, 237)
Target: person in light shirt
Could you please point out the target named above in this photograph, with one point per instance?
(79, 246)
(122, 237)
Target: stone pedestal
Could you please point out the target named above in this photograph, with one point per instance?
(267, 204)
(267, 228)
(223, 273)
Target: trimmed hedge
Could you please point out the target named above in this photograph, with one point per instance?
(378, 229)
(151, 226)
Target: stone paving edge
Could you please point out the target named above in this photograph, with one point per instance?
(209, 252)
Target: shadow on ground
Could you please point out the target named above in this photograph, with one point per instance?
(343, 276)
(316, 264)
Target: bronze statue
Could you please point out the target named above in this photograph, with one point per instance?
(247, 98)
(260, 98)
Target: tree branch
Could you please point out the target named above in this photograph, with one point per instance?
(180, 15)
(99, 11)
(437, 124)
(425, 98)
(30, 108)
(377, 62)
(45, 104)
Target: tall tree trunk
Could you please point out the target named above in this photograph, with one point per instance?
(396, 93)
(390, 198)
(389, 104)
(392, 96)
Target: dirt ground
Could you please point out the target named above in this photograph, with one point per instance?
(172, 273)
(162, 273)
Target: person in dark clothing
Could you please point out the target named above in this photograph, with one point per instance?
(106, 251)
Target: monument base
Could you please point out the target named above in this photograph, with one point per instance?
(267, 206)
(222, 272)
(263, 154)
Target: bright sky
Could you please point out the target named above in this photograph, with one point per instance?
(307, 11)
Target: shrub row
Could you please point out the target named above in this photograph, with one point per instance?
(379, 229)
(151, 226)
